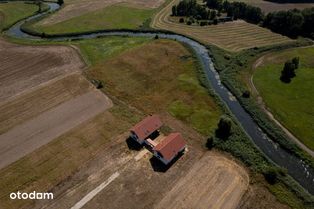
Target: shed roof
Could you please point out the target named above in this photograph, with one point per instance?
(147, 126)
(170, 146)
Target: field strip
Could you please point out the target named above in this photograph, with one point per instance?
(36, 132)
(95, 191)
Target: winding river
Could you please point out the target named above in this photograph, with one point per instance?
(301, 172)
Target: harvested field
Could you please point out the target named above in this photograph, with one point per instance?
(21, 108)
(32, 134)
(232, 36)
(25, 67)
(268, 6)
(74, 8)
(225, 183)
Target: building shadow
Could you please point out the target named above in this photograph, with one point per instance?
(158, 166)
(133, 145)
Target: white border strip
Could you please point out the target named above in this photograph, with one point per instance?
(95, 191)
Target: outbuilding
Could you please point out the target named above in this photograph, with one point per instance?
(145, 128)
(169, 148)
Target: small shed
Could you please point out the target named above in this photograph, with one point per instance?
(145, 128)
(169, 148)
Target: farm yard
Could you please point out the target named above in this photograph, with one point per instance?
(232, 36)
(14, 11)
(292, 103)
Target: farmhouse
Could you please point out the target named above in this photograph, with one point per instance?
(169, 148)
(145, 128)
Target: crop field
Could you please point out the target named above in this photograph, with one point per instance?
(14, 11)
(25, 67)
(268, 6)
(43, 96)
(21, 109)
(82, 16)
(231, 36)
(292, 104)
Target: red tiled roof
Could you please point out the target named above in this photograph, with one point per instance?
(170, 146)
(147, 126)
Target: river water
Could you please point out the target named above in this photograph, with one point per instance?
(301, 172)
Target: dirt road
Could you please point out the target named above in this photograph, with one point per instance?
(34, 133)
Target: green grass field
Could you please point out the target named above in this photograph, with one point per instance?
(156, 81)
(112, 17)
(293, 103)
(14, 11)
(98, 50)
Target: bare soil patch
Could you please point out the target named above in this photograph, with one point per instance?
(32, 134)
(74, 8)
(24, 67)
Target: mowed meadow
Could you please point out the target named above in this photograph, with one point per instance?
(232, 36)
(292, 104)
(83, 16)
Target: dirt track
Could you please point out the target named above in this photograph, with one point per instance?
(74, 8)
(34, 133)
(25, 67)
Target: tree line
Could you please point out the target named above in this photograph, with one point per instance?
(291, 23)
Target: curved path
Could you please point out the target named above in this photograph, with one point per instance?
(262, 104)
(298, 169)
